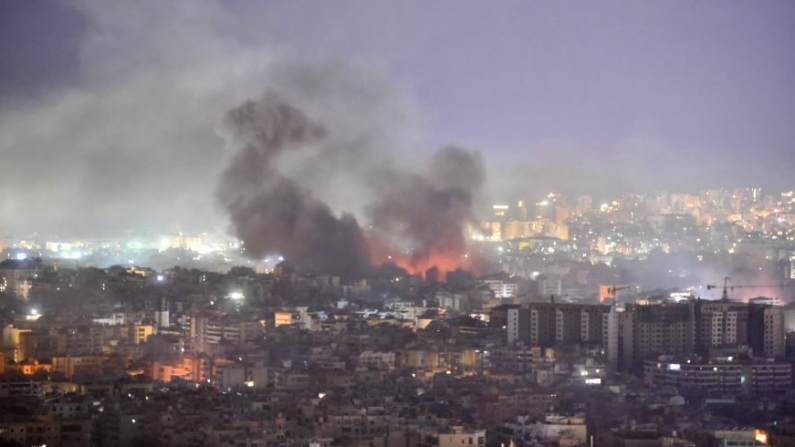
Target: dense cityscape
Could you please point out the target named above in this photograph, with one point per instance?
(397, 224)
(646, 320)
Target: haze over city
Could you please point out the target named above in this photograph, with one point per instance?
(110, 112)
(416, 224)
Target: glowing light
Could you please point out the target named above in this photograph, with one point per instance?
(235, 296)
(438, 256)
(204, 249)
(160, 278)
(21, 256)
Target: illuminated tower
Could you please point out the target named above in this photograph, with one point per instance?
(161, 314)
(500, 211)
(521, 210)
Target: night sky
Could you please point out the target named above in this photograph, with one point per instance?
(108, 112)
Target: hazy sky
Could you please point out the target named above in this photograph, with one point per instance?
(108, 109)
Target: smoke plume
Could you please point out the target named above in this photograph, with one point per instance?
(417, 219)
(271, 212)
(425, 214)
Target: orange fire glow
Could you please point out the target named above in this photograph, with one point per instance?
(444, 259)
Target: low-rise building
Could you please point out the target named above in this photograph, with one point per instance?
(720, 375)
(455, 436)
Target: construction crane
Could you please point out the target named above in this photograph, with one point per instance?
(724, 296)
(612, 291)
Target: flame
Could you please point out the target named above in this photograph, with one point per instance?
(440, 256)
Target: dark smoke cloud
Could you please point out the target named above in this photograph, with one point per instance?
(271, 212)
(421, 215)
(427, 212)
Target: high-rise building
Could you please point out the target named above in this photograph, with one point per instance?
(700, 327)
(162, 315)
(502, 289)
(789, 319)
(545, 209)
(720, 324)
(16, 275)
(549, 286)
(501, 211)
(207, 330)
(584, 205)
(514, 229)
(556, 324)
(562, 213)
(521, 210)
(766, 330)
(651, 330)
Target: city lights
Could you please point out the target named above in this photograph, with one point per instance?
(404, 223)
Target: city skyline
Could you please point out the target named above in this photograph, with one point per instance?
(421, 224)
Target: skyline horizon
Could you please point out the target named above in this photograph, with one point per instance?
(481, 215)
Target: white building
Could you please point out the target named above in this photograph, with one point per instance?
(548, 286)
(455, 437)
(502, 289)
(556, 427)
(452, 301)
